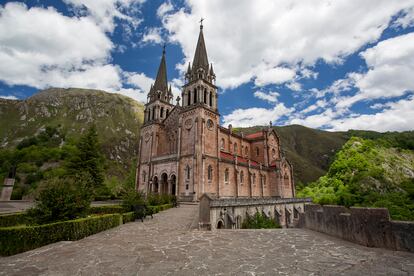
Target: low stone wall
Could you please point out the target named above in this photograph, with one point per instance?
(7, 189)
(229, 213)
(366, 226)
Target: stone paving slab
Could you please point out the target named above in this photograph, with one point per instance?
(169, 245)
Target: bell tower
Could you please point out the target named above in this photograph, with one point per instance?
(199, 87)
(160, 97)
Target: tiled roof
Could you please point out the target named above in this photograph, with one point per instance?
(255, 135)
(228, 156)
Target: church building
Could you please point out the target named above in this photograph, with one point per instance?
(184, 151)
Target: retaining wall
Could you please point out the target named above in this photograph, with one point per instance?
(366, 226)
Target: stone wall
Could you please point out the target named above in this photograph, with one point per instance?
(7, 189)
(229, 213)
(370, 227)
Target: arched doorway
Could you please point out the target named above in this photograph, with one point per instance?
(155, 184)
(164, 184)
(220, 224)
(173, 184)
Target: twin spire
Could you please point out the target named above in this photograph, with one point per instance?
(199, 69)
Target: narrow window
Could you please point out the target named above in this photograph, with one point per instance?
(226, 175)
(168, 111)
(241, 177)
(211, 99)
(162, 112)
(246, 151)
(144, 176)
(235, 148)
(188, 98)
(257, 151)
(254, 179)
(209, 173)
(195, 96)
(205, 96)
(187, 172)
(222, 144)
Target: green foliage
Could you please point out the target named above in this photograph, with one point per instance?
(107, 209)
(367, 173)
(128, 217)
(157, 199)
(62, 199)
(13, 219)
(132, 198)
(18, 239)
(88, 158)
(259, 221)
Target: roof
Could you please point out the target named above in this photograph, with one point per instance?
(255, 135)
(200, 56)
(228, 156)
(161, 80)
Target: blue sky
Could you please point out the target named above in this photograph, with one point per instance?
(333, 65)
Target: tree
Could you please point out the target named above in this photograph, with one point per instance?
(88, 158)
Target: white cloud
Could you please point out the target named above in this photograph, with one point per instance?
(295, 86)
(8, 97)
(313, 107)
(164, 8)
(139, 80)
(153, 35)
(275, 33)
(407, 20)
(269, 96)
(397, 117)
(105, 11)
(256, 115)
(275, 75)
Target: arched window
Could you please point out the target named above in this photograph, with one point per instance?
(257, 151)
(210, 102)
(162, 112)
(222, 144)
(226, 175)
(195, 96)
(187, 172)
(188, 98)
(205, 96)
(241, 177)
(153, 113)
(235, 148)
(210, 173)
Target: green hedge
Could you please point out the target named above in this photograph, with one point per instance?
(107, 209)
(159, 208)
(13, 219)
(18, 239)
(128, 217)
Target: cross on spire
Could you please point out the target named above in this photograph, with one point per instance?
(201, 22)
(163, 48)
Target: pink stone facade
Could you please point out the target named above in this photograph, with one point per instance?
(184, 151)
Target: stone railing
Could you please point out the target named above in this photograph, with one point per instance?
(366, 226)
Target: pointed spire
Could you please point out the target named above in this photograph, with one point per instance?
(161, 80)
(211, 70)
(200, 56)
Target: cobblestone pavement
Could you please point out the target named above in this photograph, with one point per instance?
(168, 245)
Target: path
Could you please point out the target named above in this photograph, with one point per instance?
(166, 245)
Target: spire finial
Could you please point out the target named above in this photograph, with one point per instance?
(201, 23)
(163, 48)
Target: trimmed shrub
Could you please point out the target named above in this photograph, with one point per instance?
(158, 208)
(18, 239)
(132, 198)
(128, 217)
(13, 219)
(107, 209)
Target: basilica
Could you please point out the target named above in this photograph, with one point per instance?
(184, 150)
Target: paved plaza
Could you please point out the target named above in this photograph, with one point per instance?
(169, 244)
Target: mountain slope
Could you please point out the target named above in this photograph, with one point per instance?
(117, 119)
